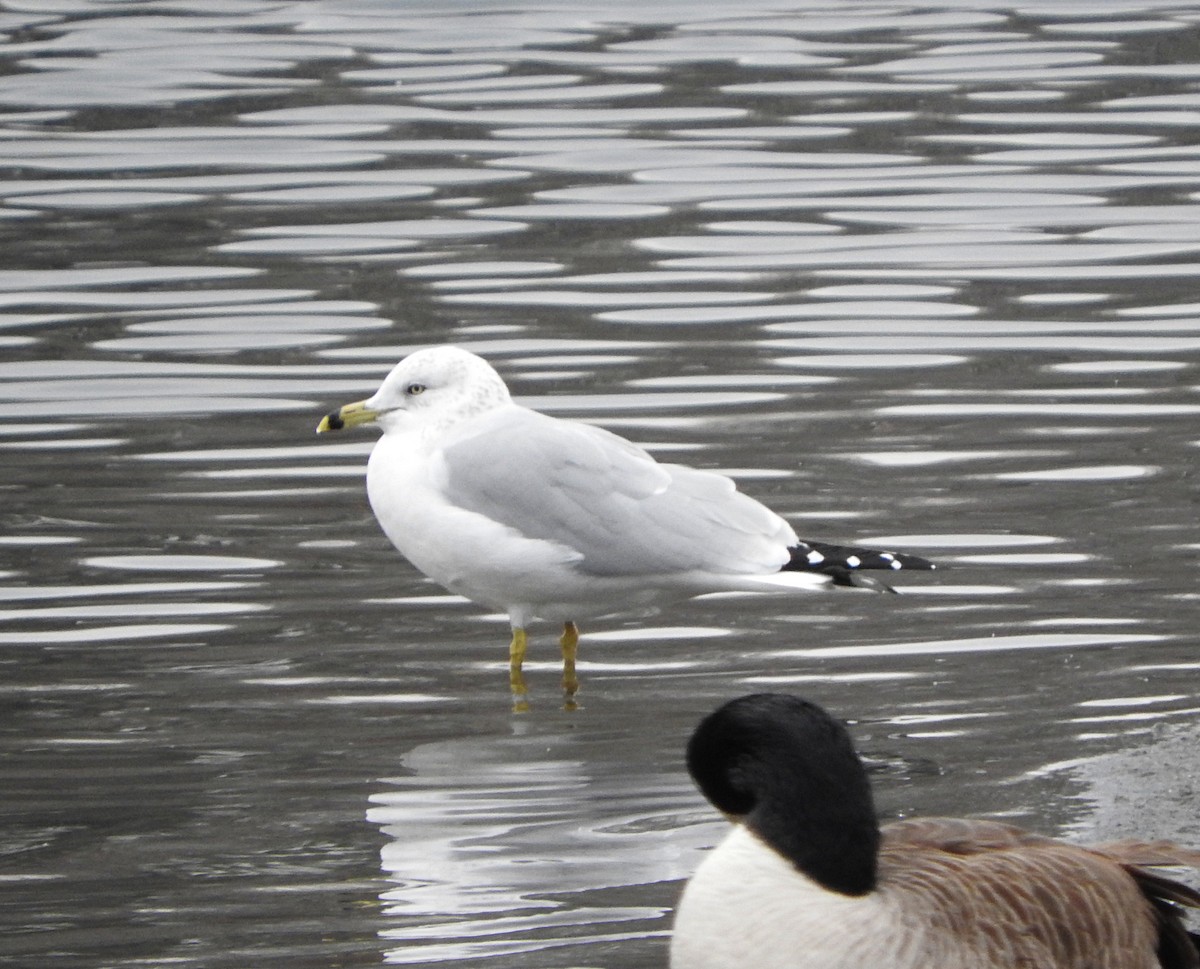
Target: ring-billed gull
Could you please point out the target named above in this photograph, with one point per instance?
(809, 878)
(546, 518)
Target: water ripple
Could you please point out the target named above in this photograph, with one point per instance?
(917, 278)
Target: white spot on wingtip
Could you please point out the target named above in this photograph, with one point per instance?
(814, 557)
(853, 561)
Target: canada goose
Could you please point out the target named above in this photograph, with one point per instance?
(808, 879)
(542, 517)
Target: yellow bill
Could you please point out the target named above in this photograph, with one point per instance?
(349, 416)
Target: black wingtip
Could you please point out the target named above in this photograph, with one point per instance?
(842, 561)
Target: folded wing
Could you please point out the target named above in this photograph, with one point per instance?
(607, 500)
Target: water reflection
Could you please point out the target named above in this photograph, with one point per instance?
(478, 832)
(916, 277)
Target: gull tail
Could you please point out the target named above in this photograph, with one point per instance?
(845, 563)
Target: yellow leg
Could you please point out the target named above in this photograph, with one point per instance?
(570, 646)
(516, 656)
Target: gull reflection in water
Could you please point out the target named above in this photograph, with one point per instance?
(530, 842)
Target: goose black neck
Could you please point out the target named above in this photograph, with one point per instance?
(789, 771)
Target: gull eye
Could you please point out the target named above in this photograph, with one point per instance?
(413, 389)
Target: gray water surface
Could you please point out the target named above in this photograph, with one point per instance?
(917, 276)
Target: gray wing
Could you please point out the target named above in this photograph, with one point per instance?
(605, 498)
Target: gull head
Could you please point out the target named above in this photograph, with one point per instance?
(429, 390)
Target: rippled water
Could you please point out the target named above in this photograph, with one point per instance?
(922, 276)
